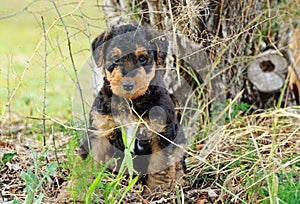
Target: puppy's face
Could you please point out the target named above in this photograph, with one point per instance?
(129, 64)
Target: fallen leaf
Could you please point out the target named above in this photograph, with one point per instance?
(212, 193)
(203, 201)
(199, 147)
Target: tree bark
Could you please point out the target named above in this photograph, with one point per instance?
(230, 33)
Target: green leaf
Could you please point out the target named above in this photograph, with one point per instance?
(129, 162)
(130, 185)
(30, 180)
(51, 168)
(178, 195)
(124, 138)
(35, 161)
(39, 199)
(27, 101)
(97, 181)
(7, 157)
(94, 185)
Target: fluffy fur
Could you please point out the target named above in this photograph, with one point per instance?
(133, 99)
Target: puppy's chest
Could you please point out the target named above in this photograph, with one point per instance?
(136, 127)
(134, 133)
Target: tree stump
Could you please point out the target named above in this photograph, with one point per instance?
(268, 72)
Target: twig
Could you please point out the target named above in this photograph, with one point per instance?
(220, 18)
(74, 66)
(53, 139)
(62, 61)
(87, 26)
(22, 10)
(1, 186)
(270, 26)
(45, 82)
(14, 130)
(260, 158)
(8, 88)
(229, 106)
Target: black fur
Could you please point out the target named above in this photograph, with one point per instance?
(107, 103)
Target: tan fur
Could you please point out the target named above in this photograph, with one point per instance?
(295, 51)
(115, 79)
(157, 126)
(169, 177)
(142, 81)
(105, 125)
(116, 52)
(140, 51)
(166, 179)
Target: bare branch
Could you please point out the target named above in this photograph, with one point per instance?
(74, 66)
(45, 81)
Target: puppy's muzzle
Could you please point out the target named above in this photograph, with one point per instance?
(128, 85)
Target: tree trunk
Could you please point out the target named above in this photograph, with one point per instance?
(231, 33)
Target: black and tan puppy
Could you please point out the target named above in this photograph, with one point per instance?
(133, 100)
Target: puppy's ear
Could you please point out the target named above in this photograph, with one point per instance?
(161, 43)
(98, 46)
(161, 55)
(162, 51)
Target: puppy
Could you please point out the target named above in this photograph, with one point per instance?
(134, 102)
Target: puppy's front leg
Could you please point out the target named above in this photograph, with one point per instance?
(164, 170)
(162, 179)
(102, 133)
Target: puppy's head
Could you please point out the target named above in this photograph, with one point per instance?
(129, 58)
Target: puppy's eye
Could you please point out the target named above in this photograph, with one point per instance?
(142, 60)
(111, 68)
(117, 61)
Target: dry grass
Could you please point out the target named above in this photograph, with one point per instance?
(251, 158)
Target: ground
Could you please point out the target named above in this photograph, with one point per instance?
(235, 163)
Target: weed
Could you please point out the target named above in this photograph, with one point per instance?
(109, 185)
(287, 188)
(105, 183)
(178, 196)
(237, 110)
(34, 178)
(34, 181)
(6, 158)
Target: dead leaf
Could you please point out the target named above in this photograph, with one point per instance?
(199, 147)
(203, 201)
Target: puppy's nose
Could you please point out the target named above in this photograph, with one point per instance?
(128, 85)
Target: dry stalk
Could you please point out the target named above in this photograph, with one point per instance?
(74, 68)
(45, 81)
